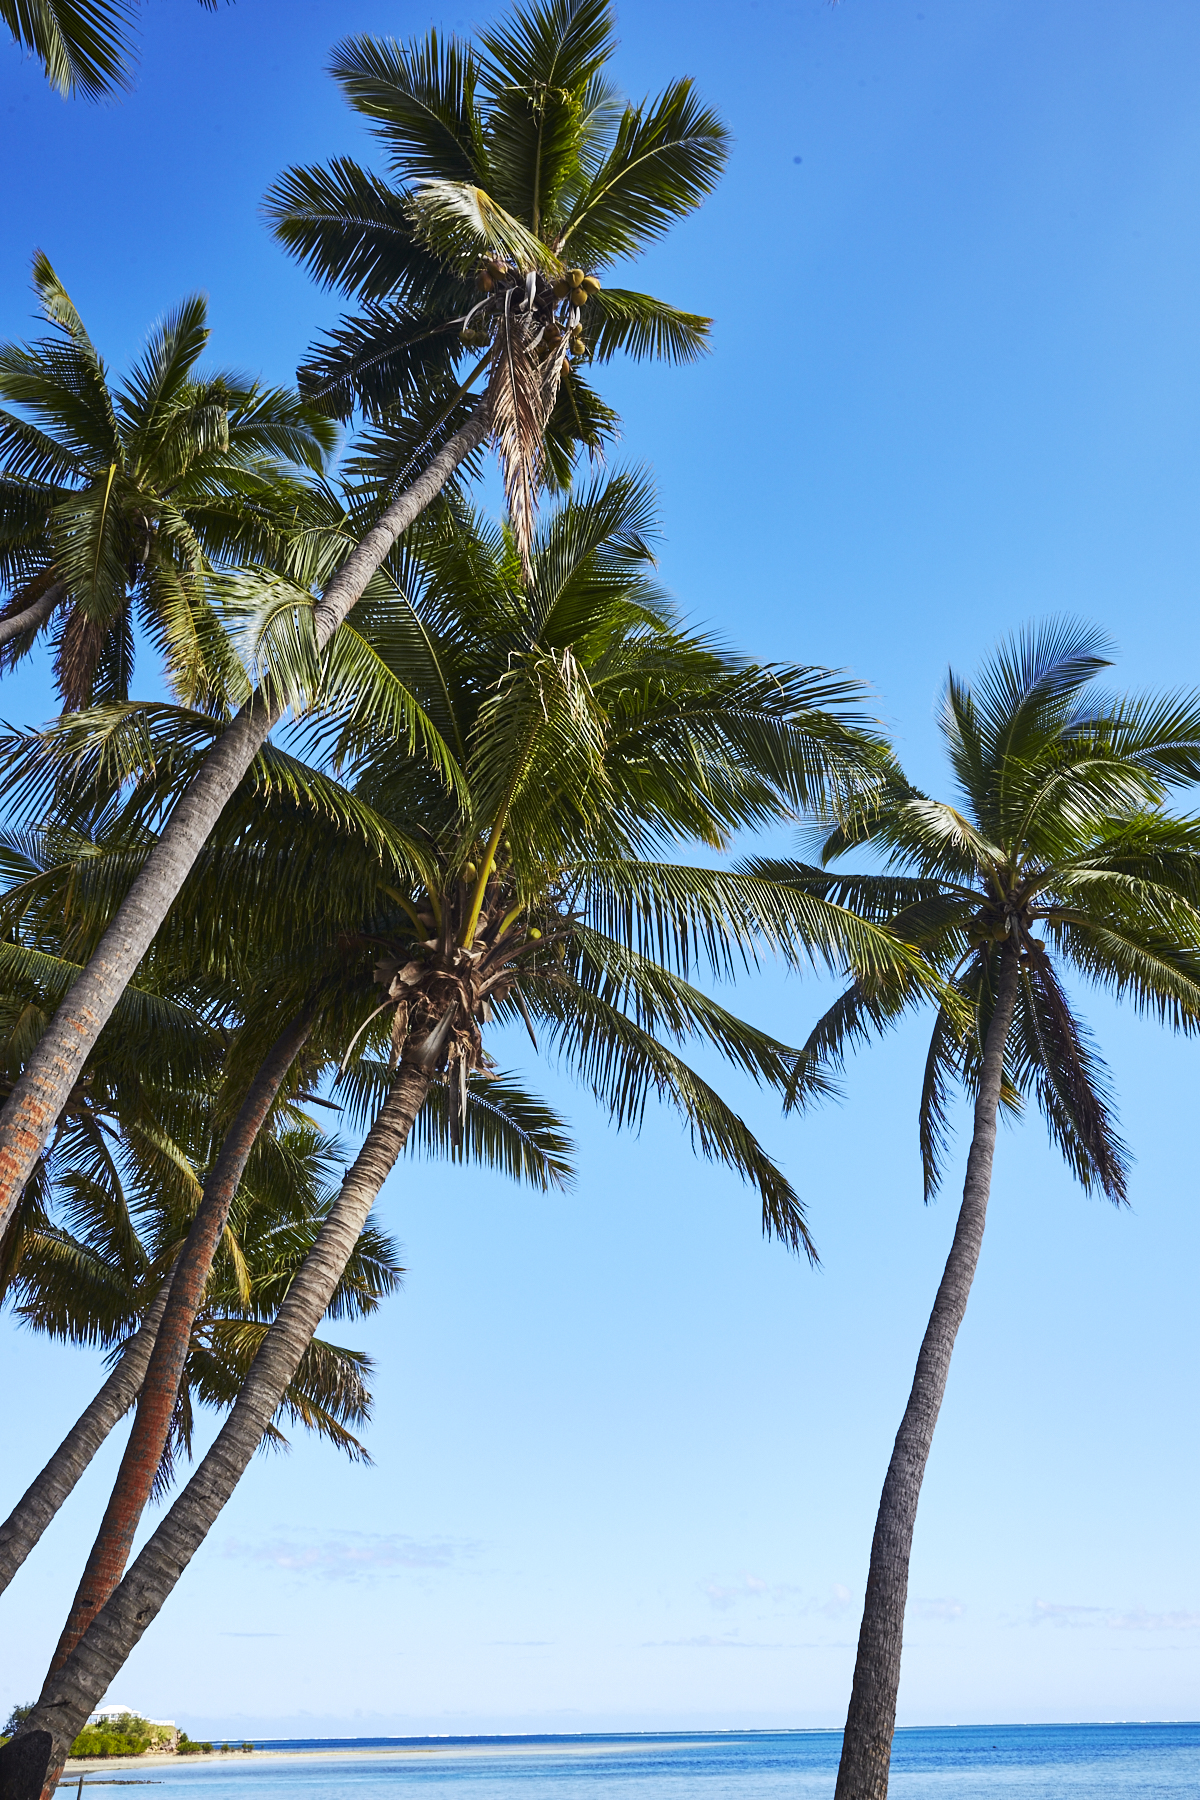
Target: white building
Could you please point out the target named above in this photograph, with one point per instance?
(104, 1715)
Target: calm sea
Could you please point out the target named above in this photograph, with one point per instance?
(1036, 1762)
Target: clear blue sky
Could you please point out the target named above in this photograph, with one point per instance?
(626, 1455)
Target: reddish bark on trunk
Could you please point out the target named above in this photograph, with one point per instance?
(32, 1760)
(156, 1403)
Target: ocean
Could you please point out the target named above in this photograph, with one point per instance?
(975, 1762)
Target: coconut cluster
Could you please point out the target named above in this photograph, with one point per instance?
(555, 306)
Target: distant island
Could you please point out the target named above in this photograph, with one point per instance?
(122, 1731)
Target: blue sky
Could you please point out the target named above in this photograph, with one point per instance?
(627, 1455)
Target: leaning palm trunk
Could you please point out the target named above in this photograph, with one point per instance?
(32, 1760)
(160, 1388)
(34, 615)
(42, 1499)
(871, 1719)
(38, 1097)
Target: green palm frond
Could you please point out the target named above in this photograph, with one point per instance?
(421, 100)
(619, 320)
(84, 46)
(541, 72)
(1059, 828)
(623, 1065)
(666, 158)
(1072, 1085)
(505, 1128)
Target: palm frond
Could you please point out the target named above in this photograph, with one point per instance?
(1071, 1082)
(84, 46)
(617, 320)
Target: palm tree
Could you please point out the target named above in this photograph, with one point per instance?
(165, 1077)
(1055, 858)
(157, 1055)
(660, 162)
(261, 872)
(589, 732)
(90, 1270)
(85, 46)
(84, 1278)
(506, 164)
(115, 502)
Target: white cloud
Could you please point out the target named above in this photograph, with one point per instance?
(1107, 1618)
(350, 1555)
(945, 1610)
(725, 1594)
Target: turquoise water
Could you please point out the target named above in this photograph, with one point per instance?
(996, 1762)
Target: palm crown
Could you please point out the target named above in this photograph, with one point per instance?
(515, 174)
(1057, 850)
(116, 500)
(584, 732)
(515, 874)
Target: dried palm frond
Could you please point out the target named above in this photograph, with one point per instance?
(526, 370)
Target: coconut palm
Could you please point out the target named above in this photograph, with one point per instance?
(269, 865)
(158, 1054)
(515, 175)
(95, 1261)
(116, 500)
(598, 186)
(661, 160)
(1055, 861)
(163, 1080)
(589, 732)
(271, 860)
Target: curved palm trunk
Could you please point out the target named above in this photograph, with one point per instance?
(33, 1107)
(156, 1402)
(42, 1499)
(871, 1719)
(34, 615)
(32, 1760)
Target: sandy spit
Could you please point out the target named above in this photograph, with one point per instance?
(122, 1766)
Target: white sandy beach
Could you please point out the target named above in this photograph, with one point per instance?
(120, 1767)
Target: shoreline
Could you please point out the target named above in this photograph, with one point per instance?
(94, 1765)
(122, 1769)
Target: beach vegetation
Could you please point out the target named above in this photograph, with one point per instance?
(194, 1746)
(16, 1717)
(126, 1734)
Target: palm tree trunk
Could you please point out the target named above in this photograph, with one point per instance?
(42, 1499)
(156, 1402)
(871, 1719)
(34, 615)
(32, 1760)
(38, 1097)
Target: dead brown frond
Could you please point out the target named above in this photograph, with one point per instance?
(78, 658)
(526, 370)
